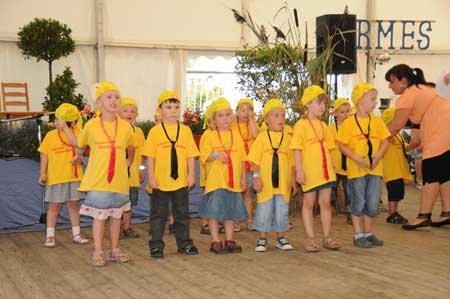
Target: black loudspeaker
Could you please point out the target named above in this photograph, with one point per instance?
(326, 26)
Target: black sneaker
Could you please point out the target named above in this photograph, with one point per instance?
(204, 230)
(218, 248)
(362, 243)
(375, 241)
(396, 218)
(232, 246)
(156, 253)
(189, 250)
(171, 229)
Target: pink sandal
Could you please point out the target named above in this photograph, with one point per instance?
(98, 259)
(116, 256)
(79, 239)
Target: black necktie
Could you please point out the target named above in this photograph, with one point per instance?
(369, 143)
(173, 152)
(275, 162)
(343, 157)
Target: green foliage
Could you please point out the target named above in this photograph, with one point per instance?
(62, 90)
(145, 126)
(45, 39)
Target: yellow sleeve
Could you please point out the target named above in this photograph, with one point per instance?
(298, 138)
(149, 149)
(329, 139)
(192, 150)
(255, 154)
(43, 148)
(83, 139)
(205, 147)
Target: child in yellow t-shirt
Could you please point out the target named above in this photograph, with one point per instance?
(312, 143)
(245, 126)
(273, 172)
(128, 111)
(341, 112)
(106, 178)
(62, 174)
(396, 171)
(223, 153)
(363, 139)
(170, 150)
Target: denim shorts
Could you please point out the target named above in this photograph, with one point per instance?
(272, 215)
(106, 200)
(223, 204)
(134, 195)
(364, 193)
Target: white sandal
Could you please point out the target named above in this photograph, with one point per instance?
(79, 239)
(49, 242)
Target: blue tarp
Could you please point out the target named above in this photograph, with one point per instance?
(21, 200)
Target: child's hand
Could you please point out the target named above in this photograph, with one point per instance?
(141, 176)
(190, 181)
(361, 162)
(251, 114)
(78, 159)
(300, 177)
(222, 158)
(244, 183)
(294, 188)
(257, 184)
(375, 162)
(153, 183)
(42, 179)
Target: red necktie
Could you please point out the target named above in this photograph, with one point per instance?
(322, 148)
(112, 157)
(229, 161)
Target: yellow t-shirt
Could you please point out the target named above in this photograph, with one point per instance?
(96, 174)
(262, 153)
(395, 164)
(243, 131)
(216, 172)
(351, 135)
(59, 169)
(336, 154)
(157, 146)
(306, 140)
(134, 168)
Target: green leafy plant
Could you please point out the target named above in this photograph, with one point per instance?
(62, 90)
(145, 126)
(46, 39)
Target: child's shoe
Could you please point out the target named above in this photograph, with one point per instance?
(283, 244)
(218, 248)
(419, 185)
(156, 253)
(171, 229)
(98, 259)
(116, 256)
(348, 218)
(374, 240)
(188, 250)
(362, 243)
(232, 246)
(49, 242)
(129, 233)
(396, 218)
(79, 239)
(261, 246)
(204, 230)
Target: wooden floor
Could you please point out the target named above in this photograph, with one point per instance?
(410, 265)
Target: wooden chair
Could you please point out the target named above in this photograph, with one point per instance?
(16, 91)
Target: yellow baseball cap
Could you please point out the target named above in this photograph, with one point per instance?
(360, 90)
(167, 95)
(245, 101)
(388, 115)
(217, 105)
(104, 86)
(310, 93)
(273, 103)
(339, 102)
(127, 101)
(69, 112)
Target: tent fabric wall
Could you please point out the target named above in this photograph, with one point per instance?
(147, 42)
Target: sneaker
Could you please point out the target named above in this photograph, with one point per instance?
(130, 233)
(218, 248)
(188, 250)
(156, 253)
(362, 243)
(419, 185)
(221, 228)
(261, 246)
(375, 241)
(204, 230)
(283, 244)
(396, 218)
(49, 242)
(172, 229)
(232, 246)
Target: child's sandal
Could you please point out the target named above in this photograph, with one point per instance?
(236, 227)
(49, 242)
(78, 239)
(118, 257)
(311, 246)
(98, 259)
(330, 244)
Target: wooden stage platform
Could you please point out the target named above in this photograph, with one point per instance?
(410, 265)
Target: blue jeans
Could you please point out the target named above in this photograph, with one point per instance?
(272, 215)
(364, 193)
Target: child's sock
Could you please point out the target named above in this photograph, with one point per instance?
(367, 235)
(75, 230)
(50, 232)
(359, 236)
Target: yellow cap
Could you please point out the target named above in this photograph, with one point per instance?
(310, 93)
(273, 103)
(339, 102)
(69, 112)
(167, 95)
(127, 101)
(360, 90)
(388, 115)
(217, 105)
(245, 101)
(104, 86)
